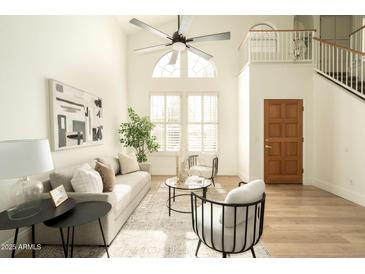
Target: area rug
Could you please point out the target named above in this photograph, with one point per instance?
(151, 233)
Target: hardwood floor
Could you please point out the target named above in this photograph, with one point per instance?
(304, 221)
(301, 221)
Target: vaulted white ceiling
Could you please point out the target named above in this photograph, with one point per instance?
(152, 20)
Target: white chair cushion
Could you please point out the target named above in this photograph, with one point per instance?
(245, 194)
(201, 171)
(128, 162)
(242, 242)
(87, 179)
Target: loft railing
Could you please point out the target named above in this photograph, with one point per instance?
(357, 39)
(342, 65)
(271, 46)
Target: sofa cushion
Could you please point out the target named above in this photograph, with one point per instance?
(249, 193)
(63, 177)
(128, 162)
(107, 175)
(112, 161)
(87, 179)
(128, 186)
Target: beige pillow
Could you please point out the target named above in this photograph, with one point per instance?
(111, 161)
(107, 175)
(128, 162)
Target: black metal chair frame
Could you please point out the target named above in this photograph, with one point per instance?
(207, 204)
(193, 161)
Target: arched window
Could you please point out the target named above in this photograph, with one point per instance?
(262, 41)
(162, 68)
(199, 67)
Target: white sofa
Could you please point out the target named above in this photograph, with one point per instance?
(128, 192)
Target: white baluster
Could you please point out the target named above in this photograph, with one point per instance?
(336, 63)
(347, 67)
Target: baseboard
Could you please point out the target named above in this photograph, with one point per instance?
(340, 191)
(24, 237)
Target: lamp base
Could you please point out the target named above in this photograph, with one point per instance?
(24, 211)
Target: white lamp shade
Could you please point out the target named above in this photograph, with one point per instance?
(21, 158)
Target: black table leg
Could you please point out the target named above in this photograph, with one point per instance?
(102, 234)
(33, 241)
(174, 195)
(205, 193)
(67, 243)
(15, 240)
(72, 241)
(63, 243)
(169, 201)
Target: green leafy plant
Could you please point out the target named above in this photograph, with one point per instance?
(137, 134)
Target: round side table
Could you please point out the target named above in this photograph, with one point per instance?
(82, 213)
(190, 184)
(47, 212)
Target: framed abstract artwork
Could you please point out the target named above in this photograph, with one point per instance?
(76, 117)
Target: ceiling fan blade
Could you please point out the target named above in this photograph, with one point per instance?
(144, 26)
(173, 58)
(211, 37)
(184, 24)
(199, 52)
(152, 48)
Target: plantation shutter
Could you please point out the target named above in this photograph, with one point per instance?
(165, 113)
(202, 123)
(173, 129)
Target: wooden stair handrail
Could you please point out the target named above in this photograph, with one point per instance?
(283, 30)
(352, 33)
(338, 46)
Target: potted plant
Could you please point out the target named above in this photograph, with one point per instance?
(137, 134)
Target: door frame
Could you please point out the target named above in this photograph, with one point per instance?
(302, 146)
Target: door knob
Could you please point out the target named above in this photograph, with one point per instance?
(267, 146)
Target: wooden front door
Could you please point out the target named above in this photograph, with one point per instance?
(283, 141)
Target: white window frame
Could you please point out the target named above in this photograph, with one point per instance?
(165, 94)
(184, 146)
(202, 123)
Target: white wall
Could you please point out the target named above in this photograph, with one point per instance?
(244, 124)
(140, 82)
(339, 134)
(278, 81)
(87, 52)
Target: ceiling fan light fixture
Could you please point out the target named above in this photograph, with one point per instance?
(178, 46)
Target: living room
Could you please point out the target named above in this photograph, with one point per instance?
(212, 143)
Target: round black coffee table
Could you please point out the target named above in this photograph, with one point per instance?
(192, 183)
(47, 212)
(82, 213)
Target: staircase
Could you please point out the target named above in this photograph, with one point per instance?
(342, 65)
(352, 82)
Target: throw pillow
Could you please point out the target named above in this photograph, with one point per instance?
(128, 162)
(107, 175)
(87, 179)
(111, 161)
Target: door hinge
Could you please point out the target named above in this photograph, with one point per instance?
(302, 170)
(302, 139)
(302, 108)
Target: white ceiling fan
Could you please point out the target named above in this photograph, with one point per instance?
(178, 41)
